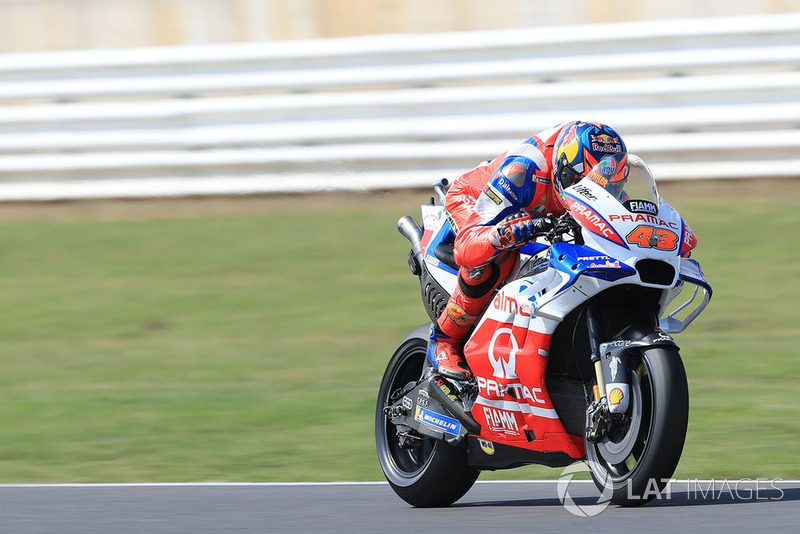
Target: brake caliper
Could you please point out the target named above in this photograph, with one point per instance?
(598, 420)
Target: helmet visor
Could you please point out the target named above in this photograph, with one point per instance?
(611, 174)
(567, 175)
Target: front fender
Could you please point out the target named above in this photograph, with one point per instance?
(615, 357)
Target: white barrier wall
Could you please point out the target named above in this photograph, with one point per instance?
(706, 98)
(48, 25)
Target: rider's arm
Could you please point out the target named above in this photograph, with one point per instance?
(512, 187)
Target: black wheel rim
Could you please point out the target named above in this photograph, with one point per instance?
(404, 462)
(620, 451)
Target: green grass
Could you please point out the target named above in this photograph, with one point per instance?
(250, 347)
(740, 356)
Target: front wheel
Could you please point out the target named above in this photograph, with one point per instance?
(431, 473)
(635, 460)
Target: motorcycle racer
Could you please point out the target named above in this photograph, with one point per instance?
(502, 204)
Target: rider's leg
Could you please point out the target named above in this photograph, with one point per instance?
(473, 292)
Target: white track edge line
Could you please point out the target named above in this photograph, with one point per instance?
(342, 483)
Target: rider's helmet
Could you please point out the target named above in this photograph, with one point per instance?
(583, 146)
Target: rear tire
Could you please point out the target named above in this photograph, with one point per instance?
(434, 473)
(637, 461)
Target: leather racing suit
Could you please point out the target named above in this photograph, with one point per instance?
(518, 180)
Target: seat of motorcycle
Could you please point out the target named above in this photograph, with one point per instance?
(444, 252)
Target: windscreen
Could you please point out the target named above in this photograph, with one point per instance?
(636, 190)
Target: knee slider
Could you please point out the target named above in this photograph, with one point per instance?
(484, 287)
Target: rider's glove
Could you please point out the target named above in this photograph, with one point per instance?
(518, 229)
(565, 224)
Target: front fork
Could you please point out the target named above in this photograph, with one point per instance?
(611, 361)
(611, 392)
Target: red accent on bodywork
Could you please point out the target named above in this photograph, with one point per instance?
(591, 220)
(520, 383)
(427, 235)
(689, 240)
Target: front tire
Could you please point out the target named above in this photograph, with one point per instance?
(433, 474)
(636, 461)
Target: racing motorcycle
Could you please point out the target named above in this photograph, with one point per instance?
(573, 360)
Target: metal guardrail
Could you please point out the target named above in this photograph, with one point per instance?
(707, 98)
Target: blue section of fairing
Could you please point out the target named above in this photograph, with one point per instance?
(533, 248)
(445, 233)
(580, 260)
(692, 272)
(431, 354)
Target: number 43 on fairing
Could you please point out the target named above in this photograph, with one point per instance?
(652, 237)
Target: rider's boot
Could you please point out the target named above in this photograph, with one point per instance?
(473, 292)
(445, 353)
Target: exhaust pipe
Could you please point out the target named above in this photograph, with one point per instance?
(410, 229)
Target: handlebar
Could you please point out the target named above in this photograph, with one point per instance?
(564, 225)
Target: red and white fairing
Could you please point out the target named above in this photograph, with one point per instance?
(508, 353)
(509, 348)
(657, 231)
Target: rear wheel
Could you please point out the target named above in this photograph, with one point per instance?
(635, 460)
(432, 473)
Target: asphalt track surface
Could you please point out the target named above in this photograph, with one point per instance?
(531, 506)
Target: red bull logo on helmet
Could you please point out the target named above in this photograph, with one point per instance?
(606, 143)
